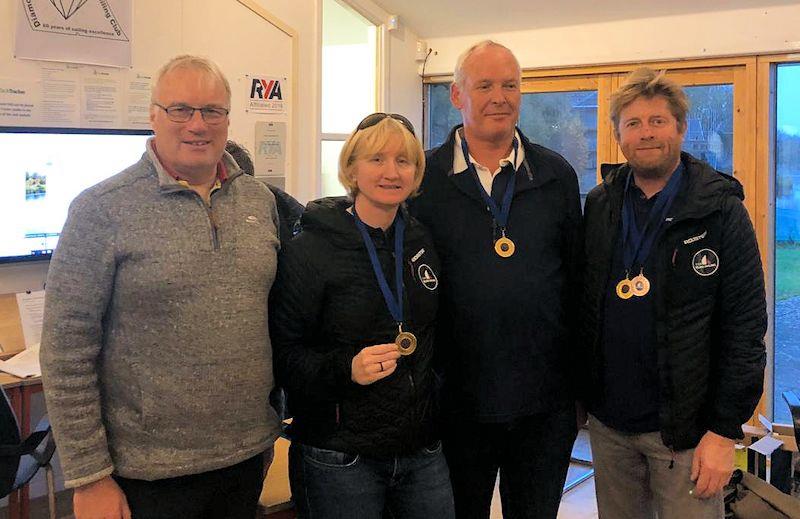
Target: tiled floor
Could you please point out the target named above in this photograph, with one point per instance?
(579, 503)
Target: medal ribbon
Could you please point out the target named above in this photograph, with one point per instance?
(636, 244)
(500, 214)
(395, 305)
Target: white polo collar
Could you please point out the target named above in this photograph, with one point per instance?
(460, 165)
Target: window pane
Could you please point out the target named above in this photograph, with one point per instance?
(565, 122)
(709, 135)
(329, 158)
(442, 115)
(349, 57)
(787, 239)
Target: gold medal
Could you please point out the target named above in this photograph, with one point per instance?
(625, 289)
(640, 285)
(406, 342)
(504, 247)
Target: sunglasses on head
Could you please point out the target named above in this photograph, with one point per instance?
(373, 119)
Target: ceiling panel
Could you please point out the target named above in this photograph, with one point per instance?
(443, 18)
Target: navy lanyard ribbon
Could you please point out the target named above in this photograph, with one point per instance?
(395, 305)
(636, 244)
(500, 214)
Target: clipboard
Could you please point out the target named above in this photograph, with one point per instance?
(12, 340)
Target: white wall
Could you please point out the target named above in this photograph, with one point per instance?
(405, 84)
(744, 31)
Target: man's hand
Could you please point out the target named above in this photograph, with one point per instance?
(374, 363)
(712, 464)
(102, 499)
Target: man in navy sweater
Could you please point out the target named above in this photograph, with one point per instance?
(506, 220)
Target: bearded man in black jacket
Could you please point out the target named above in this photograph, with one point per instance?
(674, 315)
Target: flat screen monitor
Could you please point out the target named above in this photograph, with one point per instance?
(42, 170)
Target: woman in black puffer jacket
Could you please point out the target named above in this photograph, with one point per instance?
(356, 365)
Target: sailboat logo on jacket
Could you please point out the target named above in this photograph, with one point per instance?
(427, 277)
(705, 262)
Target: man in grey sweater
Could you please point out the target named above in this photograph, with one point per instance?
(155, 352)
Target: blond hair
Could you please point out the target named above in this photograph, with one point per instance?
(371, 140)
(648, 83)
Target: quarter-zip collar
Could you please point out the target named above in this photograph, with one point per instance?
(169, 184)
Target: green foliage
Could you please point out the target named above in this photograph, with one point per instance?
(787, 162)
(787, 271)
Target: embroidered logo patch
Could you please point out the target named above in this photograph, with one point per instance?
(695, 238)
(251, 219)
(427, 277)
(705, 262)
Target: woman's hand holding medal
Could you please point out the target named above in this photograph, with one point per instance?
(374, 363)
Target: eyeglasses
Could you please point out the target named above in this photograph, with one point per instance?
(372, 120)
(183, 113)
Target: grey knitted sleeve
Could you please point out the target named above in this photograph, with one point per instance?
(79, 285)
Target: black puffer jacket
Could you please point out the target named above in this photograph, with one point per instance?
(710, 314)
(289, 213)
(325, 307)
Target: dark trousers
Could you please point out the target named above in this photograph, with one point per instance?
(228, 493)
(531, 453)
(329, 484)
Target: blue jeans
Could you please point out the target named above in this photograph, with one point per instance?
(335, 485)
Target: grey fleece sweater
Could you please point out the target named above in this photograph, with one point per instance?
(155, 350)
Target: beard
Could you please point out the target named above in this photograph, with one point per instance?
(656, 169)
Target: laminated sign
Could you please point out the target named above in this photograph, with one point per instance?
(79, 31)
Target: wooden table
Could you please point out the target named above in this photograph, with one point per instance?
(19, 391)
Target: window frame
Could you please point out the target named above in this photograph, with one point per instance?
(766, 98)
(381, 75)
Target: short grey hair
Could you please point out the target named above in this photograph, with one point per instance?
(458, 73)
(188, 61)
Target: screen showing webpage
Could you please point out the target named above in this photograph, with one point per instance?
(43, 172)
